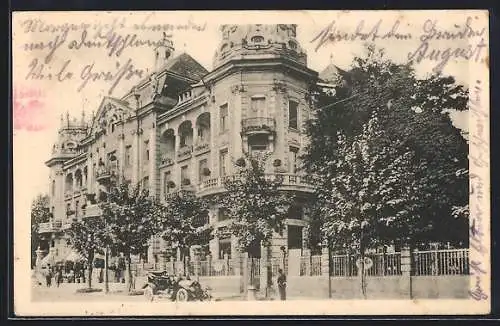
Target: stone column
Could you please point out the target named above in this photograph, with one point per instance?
(136, 153)
(153, 175)
(121, 157)
(406, 270)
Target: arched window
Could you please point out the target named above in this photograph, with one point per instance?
(257, 39)
(53, 188)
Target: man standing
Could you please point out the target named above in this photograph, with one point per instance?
(282, 284)
(48, 276)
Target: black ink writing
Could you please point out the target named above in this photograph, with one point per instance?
(40, 71)
(126, 71)
(431, 31)
(443, 56)
(51, 45)
(40, 26)
(477, 293)
(473, 48)
(331, 34)
(190, 25)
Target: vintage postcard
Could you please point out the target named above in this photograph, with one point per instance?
(251, 163)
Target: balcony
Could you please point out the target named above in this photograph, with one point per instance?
(166, 160)
(290, 182)
(252, 126)
(68, 194)
(92, 211)
(49, 227)
(105, 174)
(201, 148)
(184, 153)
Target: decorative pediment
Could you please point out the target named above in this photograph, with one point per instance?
(110, 111)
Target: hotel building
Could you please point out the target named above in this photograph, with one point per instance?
(182, 127)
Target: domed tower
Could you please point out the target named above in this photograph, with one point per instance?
(71, 133)
(254, 41)
(259, 93)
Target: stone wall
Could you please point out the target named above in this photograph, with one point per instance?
(387, 287)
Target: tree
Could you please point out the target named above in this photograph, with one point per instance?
(87, 237)
(131, 218)
(40, 213)
(255, 204)
(412, 134)
(185, 222)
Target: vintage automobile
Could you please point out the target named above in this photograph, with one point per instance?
(175, 288)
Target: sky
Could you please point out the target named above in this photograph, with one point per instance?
(32, 47)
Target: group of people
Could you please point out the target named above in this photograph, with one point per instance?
(56, 274)
(53, 272)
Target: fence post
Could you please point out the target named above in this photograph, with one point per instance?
(209, 263)
(325, 262)
(186, 266)
(226, 264)
(406, 267)
(244, 271)
(263, 269)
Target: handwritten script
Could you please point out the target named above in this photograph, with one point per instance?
(467, 39)
(479, 138)
(47, 40)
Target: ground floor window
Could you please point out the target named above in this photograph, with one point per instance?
(294, 237)
(224, 247)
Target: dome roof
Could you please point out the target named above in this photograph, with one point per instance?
(258, 41)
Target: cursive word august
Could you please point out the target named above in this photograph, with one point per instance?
(432, 36)
(425, 51)
(331, 34)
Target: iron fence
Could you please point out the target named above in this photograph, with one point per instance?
(440, 262)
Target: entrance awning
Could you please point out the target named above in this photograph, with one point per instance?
(49, 259)
(74, 257)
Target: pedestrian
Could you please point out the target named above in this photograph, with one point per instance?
(132, 281)
(281, 284)
(48, 276)
(59, 277)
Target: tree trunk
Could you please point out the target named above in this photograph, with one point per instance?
(129, 274)
(268, 271)
(363, 272)
(106, 271)
(90, 264)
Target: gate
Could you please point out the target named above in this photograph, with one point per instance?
(254, 272)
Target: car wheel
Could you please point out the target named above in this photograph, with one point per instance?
(149, 293)
(182, 295)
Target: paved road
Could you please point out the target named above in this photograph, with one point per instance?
(67, 292)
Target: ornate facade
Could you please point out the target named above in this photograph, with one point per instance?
(182, 127)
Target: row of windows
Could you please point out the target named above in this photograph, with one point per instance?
(204, 171)
(257, 109)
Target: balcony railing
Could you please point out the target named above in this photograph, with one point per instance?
(166, 159)
(201, 148)
(293, 181)
(105, 174)
(48, 227)
(68, 194)
(92, 211)
(258, 125)
(185, 152)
